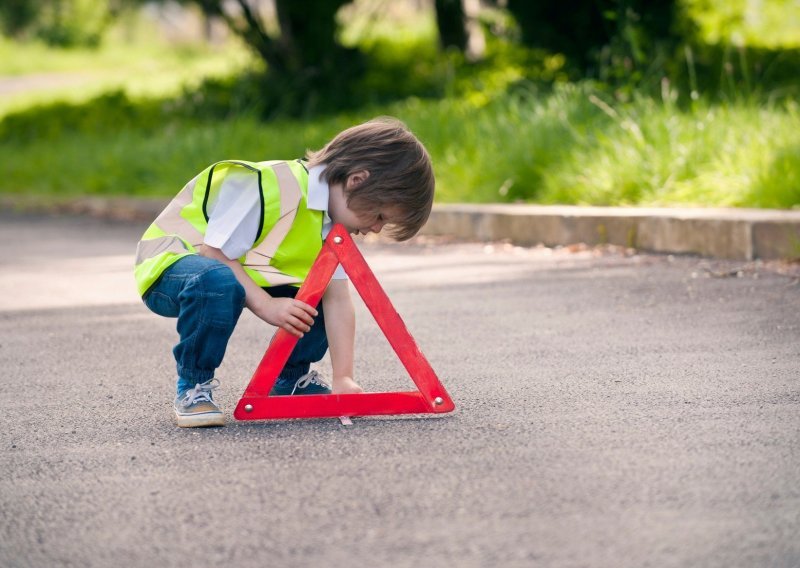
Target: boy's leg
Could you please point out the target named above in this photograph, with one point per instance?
(207, 299)
(309, 349)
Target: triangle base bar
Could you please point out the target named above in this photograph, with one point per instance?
(432, 397)
(333, 406)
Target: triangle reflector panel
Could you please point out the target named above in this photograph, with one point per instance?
(256, 404)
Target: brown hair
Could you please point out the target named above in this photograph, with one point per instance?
(400, 172)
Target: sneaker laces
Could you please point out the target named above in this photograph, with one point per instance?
(311, 378)
(201, 392)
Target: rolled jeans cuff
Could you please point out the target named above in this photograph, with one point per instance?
(188, 380)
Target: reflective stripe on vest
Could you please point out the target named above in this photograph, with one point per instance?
(289, 236)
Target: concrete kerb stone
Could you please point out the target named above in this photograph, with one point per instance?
(775, 239)
(738, 234)
(115, 208)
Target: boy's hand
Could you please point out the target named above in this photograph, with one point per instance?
(294, 316)
(345, 385)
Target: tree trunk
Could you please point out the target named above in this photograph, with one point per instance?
(308, 33)
(306, 66)
(452, 24)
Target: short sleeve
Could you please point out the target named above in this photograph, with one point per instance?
(234, 218)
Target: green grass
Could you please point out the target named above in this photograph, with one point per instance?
(135, 162)
(146, 69)
(763, 23)
(571, 147)
(565, 147)
(493, 134)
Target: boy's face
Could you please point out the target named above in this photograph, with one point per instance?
(359, 223)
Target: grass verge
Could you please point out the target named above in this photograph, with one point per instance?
(567, 146)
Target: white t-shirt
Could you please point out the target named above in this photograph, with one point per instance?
(234, 216)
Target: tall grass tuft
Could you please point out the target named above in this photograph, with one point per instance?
(574, 147)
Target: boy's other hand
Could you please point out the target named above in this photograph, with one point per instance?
(294, 316)
(345, 385)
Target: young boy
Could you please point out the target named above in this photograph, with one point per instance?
(246, 234)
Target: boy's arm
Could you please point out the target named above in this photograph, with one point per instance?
(340, 327)
(292, 315)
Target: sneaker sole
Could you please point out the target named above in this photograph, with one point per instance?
(200, 420)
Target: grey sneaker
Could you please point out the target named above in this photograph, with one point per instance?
(310, 383)
(195, 407)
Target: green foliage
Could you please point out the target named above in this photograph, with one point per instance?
(16, 16)
(771, 24)
(145, 70)
(650, 153)
(725, 72)
(65, 23)
(715, 126)
(122, 159)
(107, 113)
(396, 67)
(777, 182)
(703, 48)
(617, 34)
(572, 145)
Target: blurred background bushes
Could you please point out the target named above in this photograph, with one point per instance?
(610, 102)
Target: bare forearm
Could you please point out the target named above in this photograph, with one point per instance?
(340, 325)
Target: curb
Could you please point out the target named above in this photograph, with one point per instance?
(737, 234)
(113, 208)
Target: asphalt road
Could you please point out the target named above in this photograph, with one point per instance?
(613, 410)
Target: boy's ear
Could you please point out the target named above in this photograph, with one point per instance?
(356, 178)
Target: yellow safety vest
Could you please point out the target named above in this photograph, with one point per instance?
(289, 236)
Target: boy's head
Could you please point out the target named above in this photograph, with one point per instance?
(398, 170)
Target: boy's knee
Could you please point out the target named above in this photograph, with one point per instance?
(227, 284)
(223, 281)
(221, 293)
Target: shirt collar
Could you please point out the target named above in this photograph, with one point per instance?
(318, 190)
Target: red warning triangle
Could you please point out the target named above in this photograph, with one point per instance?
(256, 404)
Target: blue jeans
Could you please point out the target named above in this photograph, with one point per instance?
(207, 299)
